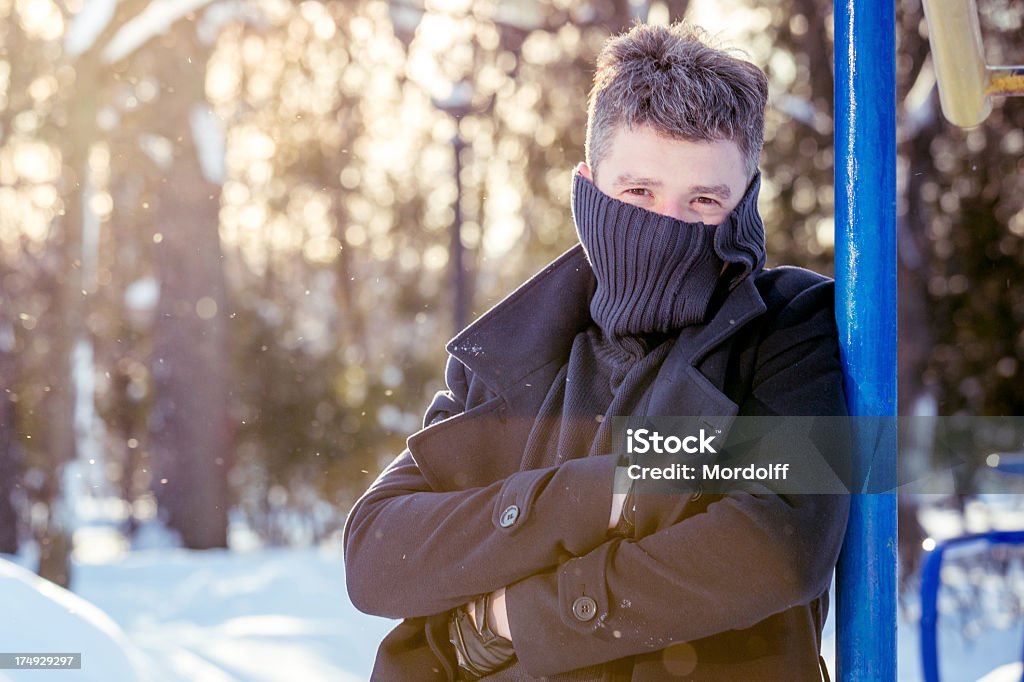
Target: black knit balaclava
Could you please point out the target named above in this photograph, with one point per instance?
(656, 274)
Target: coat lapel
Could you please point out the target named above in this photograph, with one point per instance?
(516, 349)
(532, 326)
(681, 389)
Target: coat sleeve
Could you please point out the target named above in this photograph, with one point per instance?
(743, 559)
(411, 551)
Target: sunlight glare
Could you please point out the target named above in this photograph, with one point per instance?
(41, 19)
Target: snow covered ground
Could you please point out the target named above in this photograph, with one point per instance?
(172, 615)
(993, 655)
(278, 615)
(219, 616)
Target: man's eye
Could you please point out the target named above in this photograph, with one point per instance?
(637, 191)
(707, 201)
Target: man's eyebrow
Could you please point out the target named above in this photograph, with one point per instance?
(627, 179)
(722, 191)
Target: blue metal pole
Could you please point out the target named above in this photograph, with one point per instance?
(865, 191)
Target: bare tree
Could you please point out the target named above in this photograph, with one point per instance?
(190, 430)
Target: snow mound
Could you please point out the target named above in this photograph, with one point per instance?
(1011, 672)
(46, 618)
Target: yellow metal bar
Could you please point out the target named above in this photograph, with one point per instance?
(960, 69)
(1005, 80)
(966, 83)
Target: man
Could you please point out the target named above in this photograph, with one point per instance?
(500, 535)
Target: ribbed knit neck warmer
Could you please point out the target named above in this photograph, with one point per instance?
(656, 274)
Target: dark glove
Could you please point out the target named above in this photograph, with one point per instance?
(479, 651)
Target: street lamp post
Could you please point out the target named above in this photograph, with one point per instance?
(514, 19)
(460, 313)
(458, 104)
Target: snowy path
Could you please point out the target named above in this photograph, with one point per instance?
(271, 615)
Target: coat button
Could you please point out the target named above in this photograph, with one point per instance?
(509, 516)
(584, 608)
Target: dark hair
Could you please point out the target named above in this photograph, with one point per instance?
(671, 79)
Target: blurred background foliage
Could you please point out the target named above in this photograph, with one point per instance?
(236, 234)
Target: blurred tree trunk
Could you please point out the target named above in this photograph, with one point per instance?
(62, 326)
(914, 267)
(10, 469)
(57, 446)
(9, 475)
(60, 281)
(677, 8)
(190, 433)
(352, 323)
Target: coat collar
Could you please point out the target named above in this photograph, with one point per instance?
(537, 322)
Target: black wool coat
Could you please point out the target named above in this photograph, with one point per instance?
(712, 587)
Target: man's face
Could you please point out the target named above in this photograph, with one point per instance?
(690, 181)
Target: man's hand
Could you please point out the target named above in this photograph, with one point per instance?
(499, 614)
(497, 618)
(618, 500)
(622, 481)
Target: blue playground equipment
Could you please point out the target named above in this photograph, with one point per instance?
(865, 182)
(930, 582)
(865, 142)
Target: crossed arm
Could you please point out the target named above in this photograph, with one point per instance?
(419, 553)
(498, 616)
